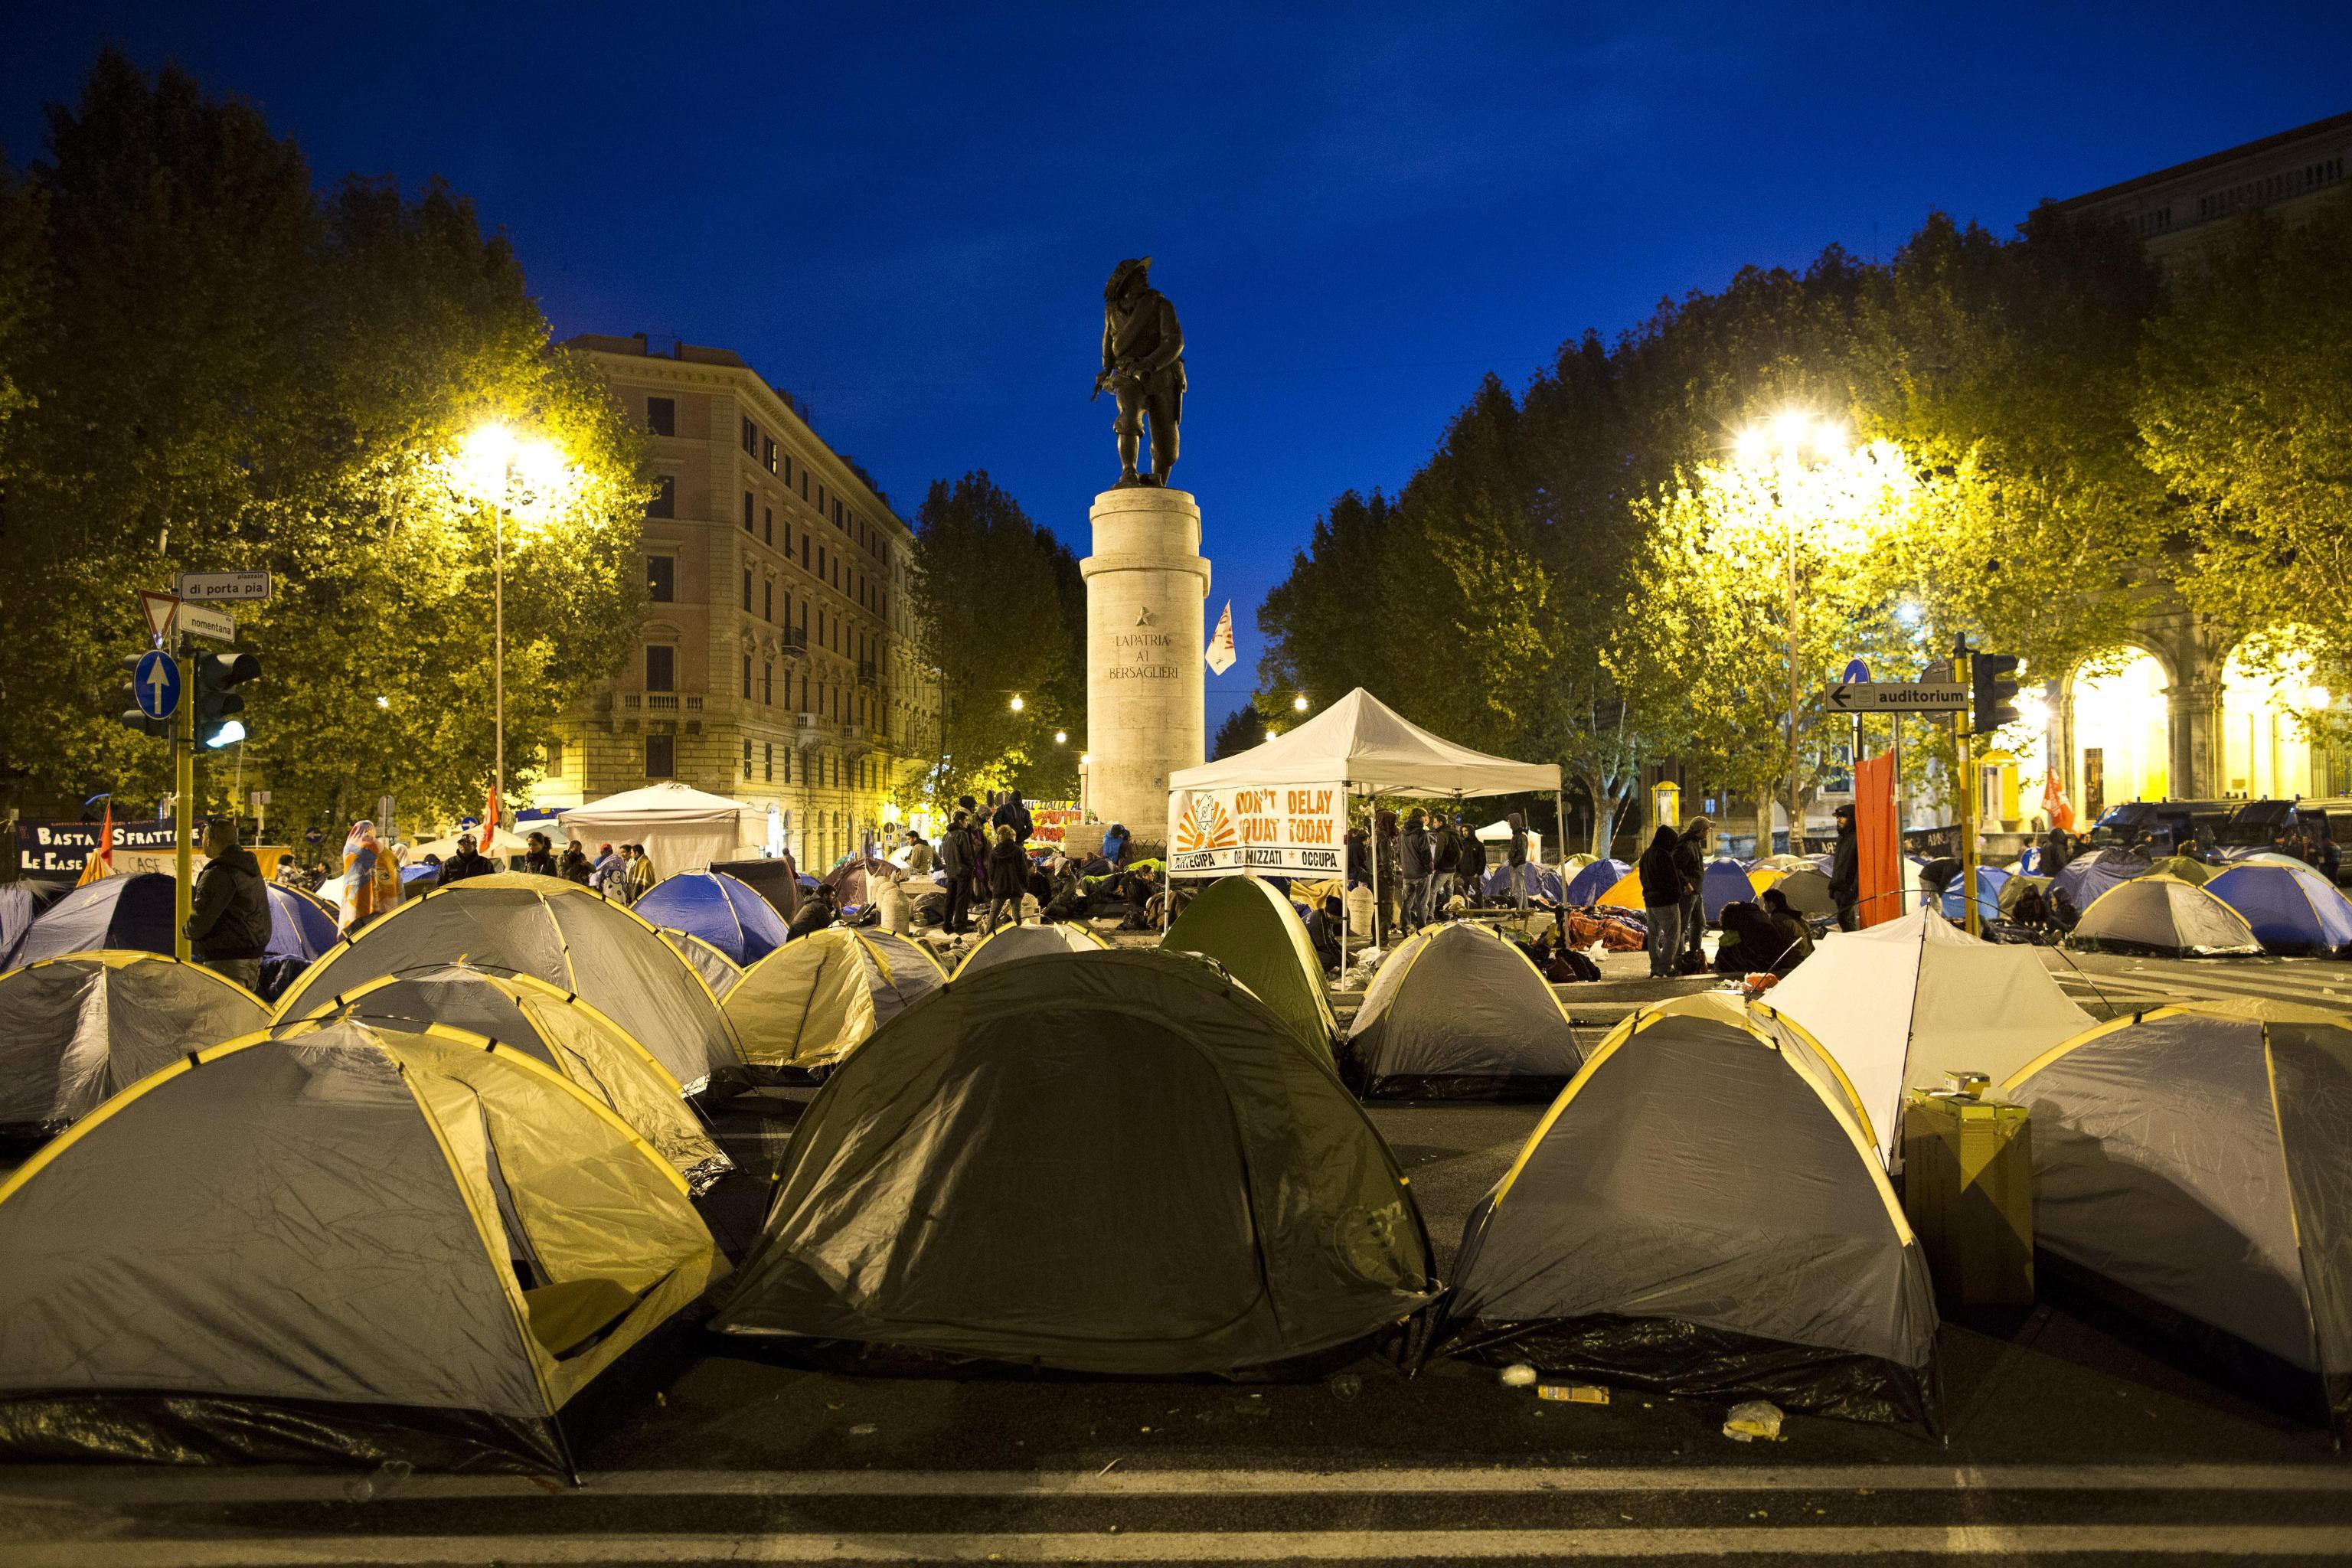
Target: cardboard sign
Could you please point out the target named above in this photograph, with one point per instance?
(1276, 830)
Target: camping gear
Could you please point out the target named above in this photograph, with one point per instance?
(1625, 893)
(2191, 1164)
(1543, 882)
(1725, 881)
(510, 922)
(1990, 880)
(1246, 926)
(2182, 866)
(856, 882)
(1807, 889)
(1587, 884)
(682, 828)
(2290, 908)
(1898, 1005)
(720, 909)
(2086, 877)
(1457, 1012)
(76, 1029)
(1968, 1191)
(355, 1245)
(773, 880)
(2014, 891)
(718, 971)
(1366, 748)
(812, 1002)
(563, 1032)
(134, 913)
(2164, 916)
(21, 903)
(1122, 1163)
(1701, 1213)
(507, 839)
(1032, 940)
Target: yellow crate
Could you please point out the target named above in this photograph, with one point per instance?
(1967, 1190)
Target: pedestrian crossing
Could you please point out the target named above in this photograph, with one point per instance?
(2143, 1512)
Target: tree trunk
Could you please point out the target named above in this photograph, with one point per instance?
(1764, 803)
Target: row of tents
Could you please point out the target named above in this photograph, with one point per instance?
(416, 1208)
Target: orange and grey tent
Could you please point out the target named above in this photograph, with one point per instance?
(78, 1028)
(358, 1245)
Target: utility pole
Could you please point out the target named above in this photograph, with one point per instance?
(1964, 732)
(184, 757)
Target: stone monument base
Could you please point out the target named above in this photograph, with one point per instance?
(1147, 598)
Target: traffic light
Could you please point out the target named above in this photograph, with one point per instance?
(1989, 673)
(217, 701)
(131, 717)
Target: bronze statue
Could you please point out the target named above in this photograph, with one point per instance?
(1143, 367)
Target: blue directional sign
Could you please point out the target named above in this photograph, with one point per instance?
(1856, 673)
(156, 683)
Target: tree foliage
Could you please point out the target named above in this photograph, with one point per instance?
(219, 368)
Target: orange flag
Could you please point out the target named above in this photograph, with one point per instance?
(101, 863)
(490, 821)
(2055, 806)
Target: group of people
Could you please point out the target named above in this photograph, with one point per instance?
(1426, 862)
(1766, 936)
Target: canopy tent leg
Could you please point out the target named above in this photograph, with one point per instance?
(1559, 864)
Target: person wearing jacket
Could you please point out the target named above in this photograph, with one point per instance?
(815, 914)
(1114, 844)
(1417, 870)
(919, 855)
(228, 921)
(1008, 876)
(611, 869)
(1789, 929)
(539, 859)
(574, 866)
(1016, 815)
(1845, 872)
(361, 851)
(642, 876)
(955, 859)
(1389, 879)
(1469, 863)
(1690, 859)
(1522, 878)
(466, 862)
(1662, 900)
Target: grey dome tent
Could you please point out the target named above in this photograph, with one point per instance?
(1252, 932)
(1115, 1163)
(2192, 1164)
(1457, 1012)
(1006, 943)
(356, 1244)
(1701, 1213)
(2164, 916)
(76, 1029)
(515, 923)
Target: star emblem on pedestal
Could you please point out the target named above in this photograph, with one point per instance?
(1147, 618)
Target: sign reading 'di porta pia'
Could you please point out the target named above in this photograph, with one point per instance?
(1281, 830)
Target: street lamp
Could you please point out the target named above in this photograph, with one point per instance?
(1793, 436)
(1298, 704)
(497, 468)
(1017, 703)
(1061, 737)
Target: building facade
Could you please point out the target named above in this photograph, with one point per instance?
(778, 663)
(2178, 211)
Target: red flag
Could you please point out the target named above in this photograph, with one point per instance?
(101, 863)
(1879, 852)
(2055, 806)
(490, 821)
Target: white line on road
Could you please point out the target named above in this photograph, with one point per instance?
(104, 1484)
(2304, 1544)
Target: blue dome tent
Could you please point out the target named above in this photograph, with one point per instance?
(2292, 909)
(1991, 879)
(1587, 886)
(2087, 876)
(134, 913)
(1727, 882)
(723, 911)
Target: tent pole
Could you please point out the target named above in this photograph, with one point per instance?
(1376, 871)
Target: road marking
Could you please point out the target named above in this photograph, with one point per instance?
(107, 1485)
(2306, 1543)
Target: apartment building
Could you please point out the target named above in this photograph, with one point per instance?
(777, 663)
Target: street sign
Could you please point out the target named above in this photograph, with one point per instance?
(218, 587)
(160, 608)
(1856, 673)
(156, 683)
(203, 621)
(1898, 697)
(260, 796)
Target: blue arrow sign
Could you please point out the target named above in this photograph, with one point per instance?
(157, 685)
(1856, 673)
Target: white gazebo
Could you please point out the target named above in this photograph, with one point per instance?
(683, 828)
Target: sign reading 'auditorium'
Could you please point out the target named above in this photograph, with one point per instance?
(1283, 830)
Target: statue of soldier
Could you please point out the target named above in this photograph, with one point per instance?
(1143, 367)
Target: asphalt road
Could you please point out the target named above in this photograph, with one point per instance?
(2074, 1436)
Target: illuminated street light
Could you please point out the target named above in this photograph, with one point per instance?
(383, 701)
(1061, 737)
(1793, 436)
(1086, 759)
(1298, 704)
(2318, 699)
(501, 471)
(1017, 703)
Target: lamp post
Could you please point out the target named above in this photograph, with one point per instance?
(1793, 436)
(495, 467)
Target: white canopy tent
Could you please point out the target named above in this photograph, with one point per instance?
(683, 828)
(1366, 749)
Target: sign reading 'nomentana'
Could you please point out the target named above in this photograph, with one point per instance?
(1282, 830)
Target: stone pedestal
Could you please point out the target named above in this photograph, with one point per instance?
(1147, 600)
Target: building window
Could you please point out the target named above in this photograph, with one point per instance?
(661, 579)
(665, 499)
(661, 668)
(820, 564)
(768, 601)
(747, 511)
(768, 525)
(804, 551)
(661, 415)
(747, 756)
(750, 437)
(768, 682)
(660, 758)
(767, 761)
(768, 453)
(788, 484)
(747, 589)
(747, 678)
(554, 764)
(788, 767)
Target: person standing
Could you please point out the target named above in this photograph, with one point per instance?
(611, 870)
(228, 920)
(1391, 879)
(642, 875)
(1522, 879)
(466, 862)
(574, 866)
(1013, 814)
(539, 856)
(1662, 900)
(1845, 871)
(1417, 866)
(360, 852)
(955, 859)
(1470, 862)
(1008, 876)
(1690, 858)
(919, 855)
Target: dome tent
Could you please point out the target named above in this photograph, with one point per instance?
(1990, 880)
(718, 971)
(2165, 916)
(2086, 877)
(1586, 885)
(1900, 1003)
(498, 1239)
(812, 1002)
(1647, 1236)
(512, 922)
(1008, 942)
(2190, 1161)
(1807, 889)
(1190, 1191)
(2291, 909)
(134, 913)
(1457, 1012)
(720, 909)
(1725, 881)
(562, 1031)
(1248, 928)
(76, 1029)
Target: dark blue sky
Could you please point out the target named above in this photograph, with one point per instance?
(907, 214)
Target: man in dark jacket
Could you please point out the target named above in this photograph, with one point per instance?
(466, 862)
(815, 914)
(1469, 863)
(1417, 868)
(955, 859)
(2055, 853)
(1789, 929)
(1690, 859)
(1662, 900)
(1522, 878)
(1445, 852)
(228, 921)
(1008, 876)
(1016, 815)
(1845, 872)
